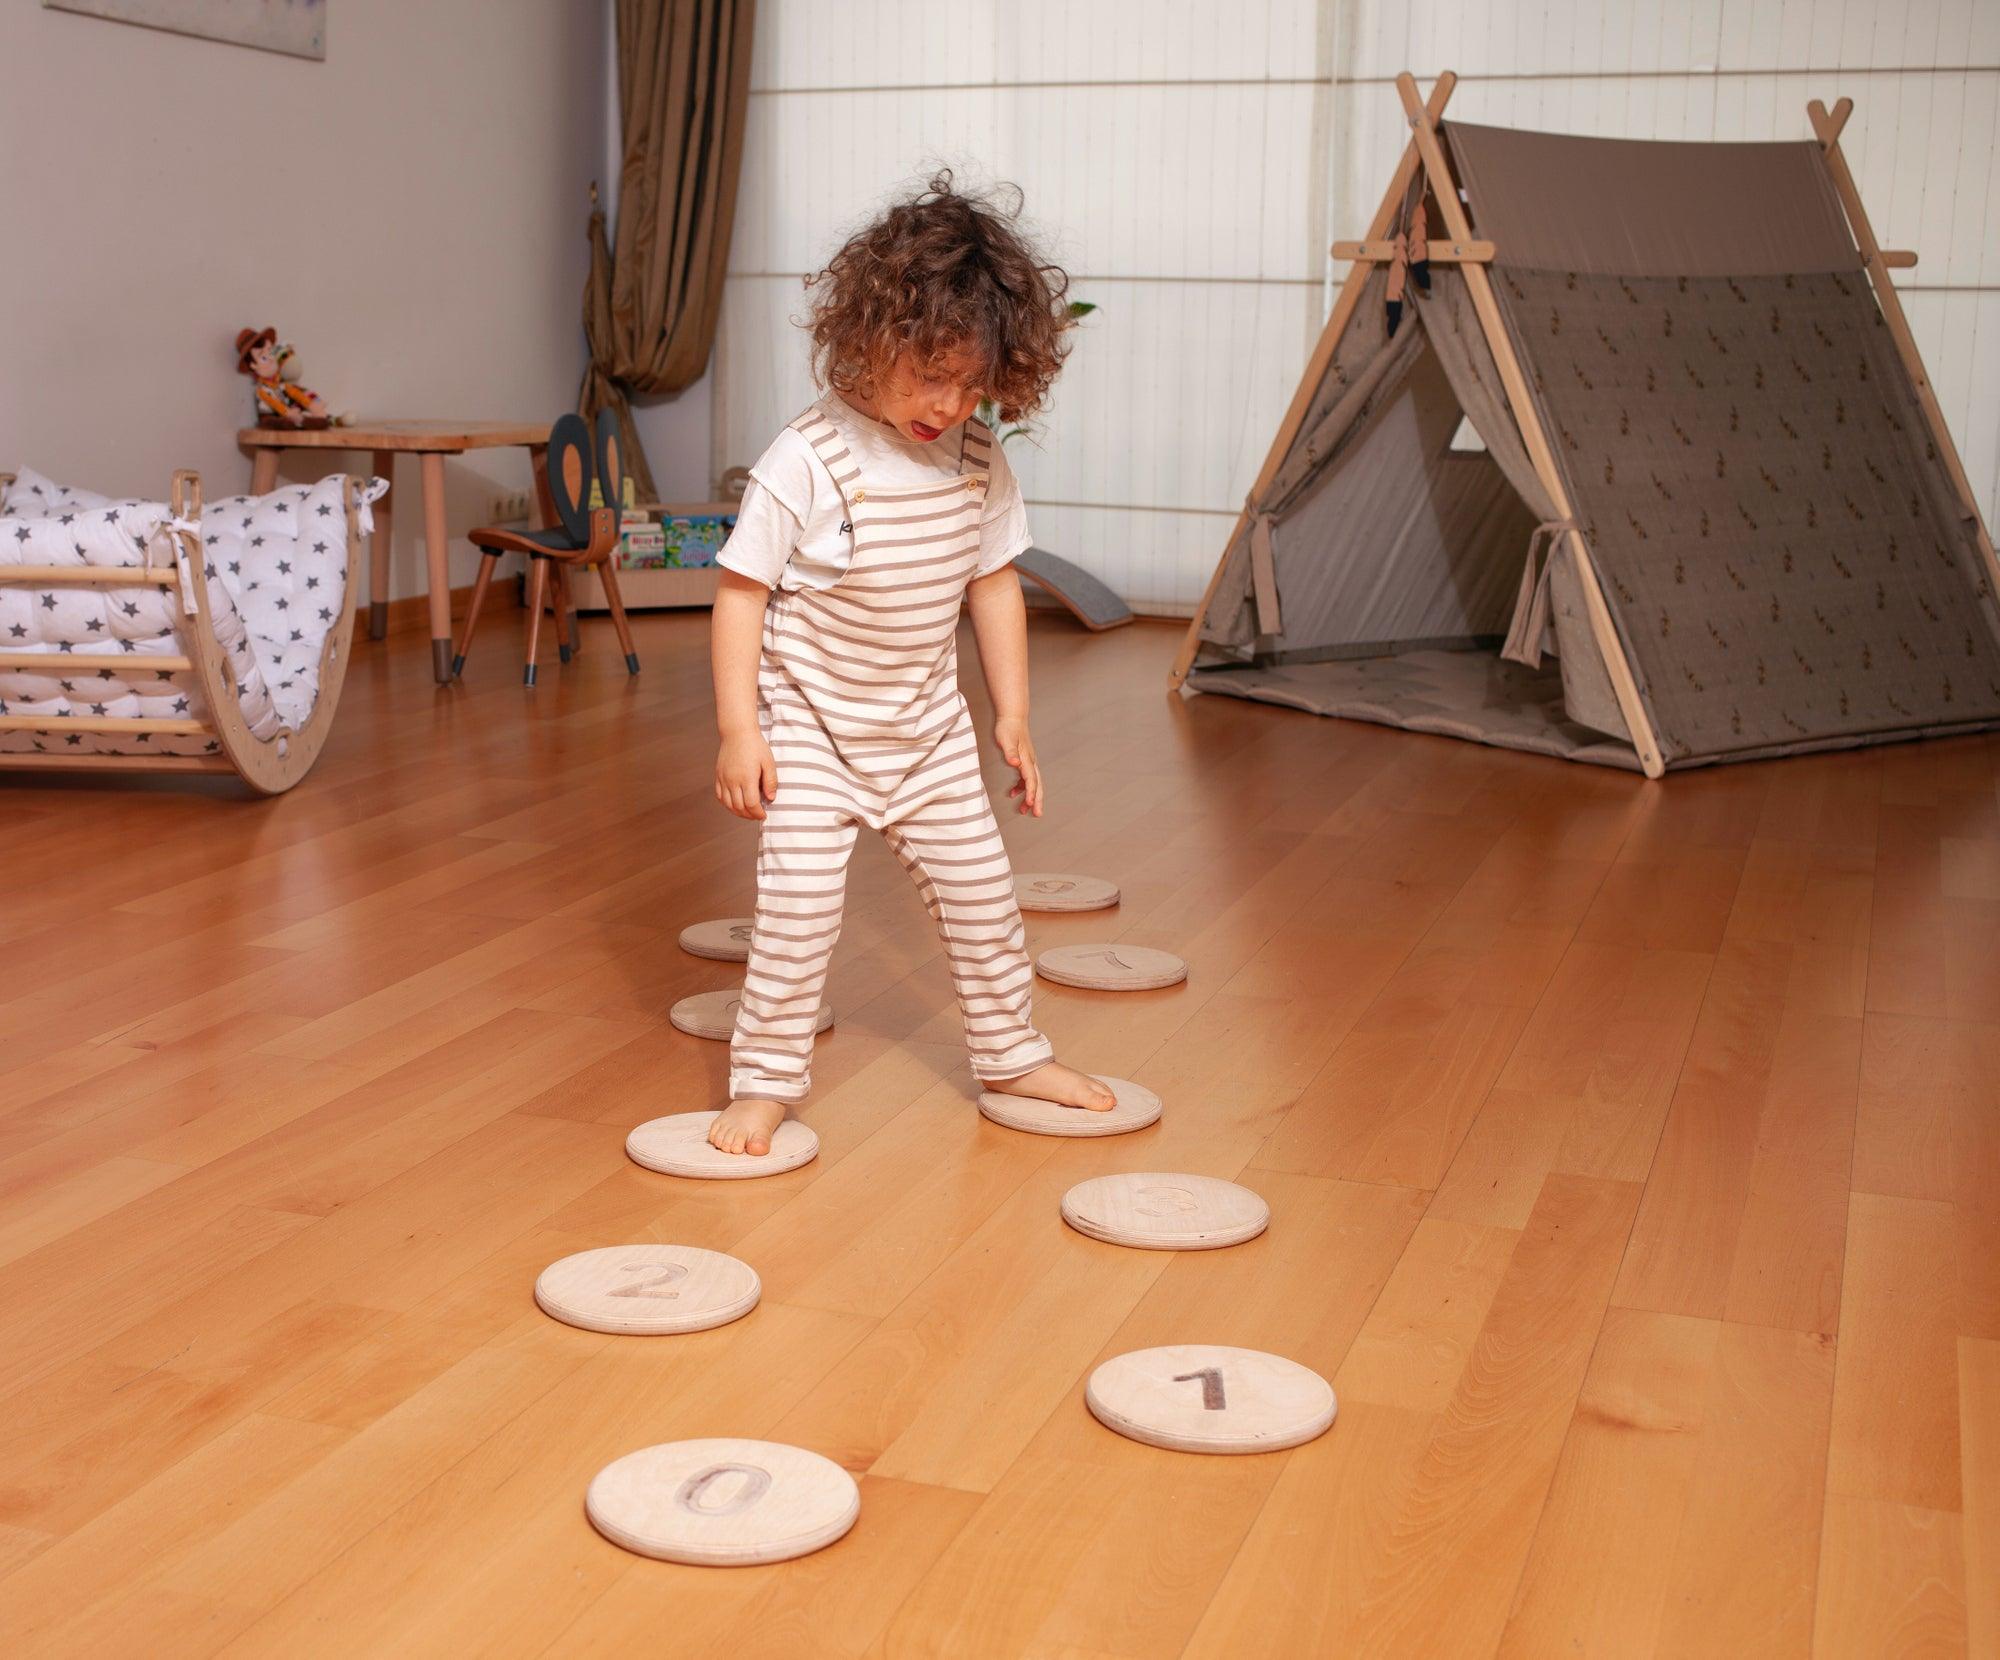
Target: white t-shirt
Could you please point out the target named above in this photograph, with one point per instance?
(792, 529)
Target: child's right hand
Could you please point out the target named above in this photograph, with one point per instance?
(746, 775)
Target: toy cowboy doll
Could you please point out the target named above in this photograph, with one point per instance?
(281, 402)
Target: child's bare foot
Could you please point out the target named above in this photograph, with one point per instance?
(746, 1126)
(1052, 1081)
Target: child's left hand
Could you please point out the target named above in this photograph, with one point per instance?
(1019, 749)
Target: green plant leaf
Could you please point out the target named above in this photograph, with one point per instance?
(1082, 308)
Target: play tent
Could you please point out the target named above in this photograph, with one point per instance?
(1647, 473)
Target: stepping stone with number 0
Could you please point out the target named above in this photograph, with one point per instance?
(726, 940)
(1039, 891)
(723, 1502)
(678, 1146)
(1194, 1397)
(1111, 967)
(648, 1290)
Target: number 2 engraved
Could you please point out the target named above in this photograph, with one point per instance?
(1161, 1200)
(1210, 1377)
(670, 1273)
(1052, 884)
(694, 1493)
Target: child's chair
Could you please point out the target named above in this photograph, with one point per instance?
(581, 536)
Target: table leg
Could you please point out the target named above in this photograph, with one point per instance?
(263, 472)
(380, 545)
(439, 572)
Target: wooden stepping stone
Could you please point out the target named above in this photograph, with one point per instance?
(1198, 1397)
(1137, 1107)
(1038, 891)
(712, 1014)
(1157, 1212)
(1111, 967)
(723, 1502)
(648, 1290)
(727, 939)
(678, 1146)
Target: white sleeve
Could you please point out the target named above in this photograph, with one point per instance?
(1003, 530)
(773, 514)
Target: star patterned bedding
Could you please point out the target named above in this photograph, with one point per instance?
(277, 581)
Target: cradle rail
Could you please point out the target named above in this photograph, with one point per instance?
(268, 765)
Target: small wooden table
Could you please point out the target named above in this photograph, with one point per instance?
(432, 441)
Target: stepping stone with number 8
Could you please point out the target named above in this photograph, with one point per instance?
(1194, 1397)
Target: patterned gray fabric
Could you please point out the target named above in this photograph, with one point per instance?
(1768, 516)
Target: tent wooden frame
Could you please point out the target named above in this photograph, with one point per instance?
(270, 765)
(1471, 255)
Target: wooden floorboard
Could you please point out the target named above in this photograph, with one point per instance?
(1633, 1153)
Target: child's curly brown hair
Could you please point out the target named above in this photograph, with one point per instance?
(943, 272)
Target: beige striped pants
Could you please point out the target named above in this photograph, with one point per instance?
(939, 824)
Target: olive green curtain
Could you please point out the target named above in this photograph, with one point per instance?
(654, 291)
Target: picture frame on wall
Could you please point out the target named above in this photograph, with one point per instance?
(294, 27)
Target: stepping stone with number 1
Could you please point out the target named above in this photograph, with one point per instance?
(1194, 1397)
(1111, 967)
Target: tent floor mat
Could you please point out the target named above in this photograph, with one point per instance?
(1452, 694)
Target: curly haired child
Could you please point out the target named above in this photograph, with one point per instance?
(870, 521)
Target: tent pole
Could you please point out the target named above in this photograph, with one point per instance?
(1444, 188)
(1828, 127)
(1315, 371)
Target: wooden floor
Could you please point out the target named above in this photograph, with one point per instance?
(1633, 1153)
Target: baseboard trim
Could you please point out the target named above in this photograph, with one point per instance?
(412, 613)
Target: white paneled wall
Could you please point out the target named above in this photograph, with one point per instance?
(1172, 155)
(1190, 160)
(1923, 140)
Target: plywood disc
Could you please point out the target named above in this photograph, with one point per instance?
(1111, 967)
(1201, 1397)
(1159, 1212)
(1137, 1107)
(678, 1146)
(1044, 891)
(727, 939)
(648, 1290)
(723, 1502)
(712, 1014)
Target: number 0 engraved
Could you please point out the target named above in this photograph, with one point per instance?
(1161, 1200)
(670, 1273)
(1210, 1378)
(695, 1492)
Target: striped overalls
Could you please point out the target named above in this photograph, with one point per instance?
(857, 694)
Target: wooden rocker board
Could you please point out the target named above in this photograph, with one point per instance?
(1046, 891)
(723, 1502)
(648, 1290)
(726, 940)
(1086, 599)
(1111, 967)
(1208, 1398)
(712, 1014)
(678, 1146)
(1154, 1211)
(1137, 1107)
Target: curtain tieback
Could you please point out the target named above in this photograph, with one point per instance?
(1530, 627)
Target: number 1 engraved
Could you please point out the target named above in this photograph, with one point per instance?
(694, 1492)
(670, 1273)
(1111, 956)
(1212, 1399)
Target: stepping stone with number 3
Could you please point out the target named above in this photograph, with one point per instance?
(726, 940)
(1195, 1397)
(1039, 891)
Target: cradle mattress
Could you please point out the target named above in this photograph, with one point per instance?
(278, 580)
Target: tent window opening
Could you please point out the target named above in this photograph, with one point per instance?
(1465, 439)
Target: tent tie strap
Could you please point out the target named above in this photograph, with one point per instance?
(1263, 573)
(1530, 627)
